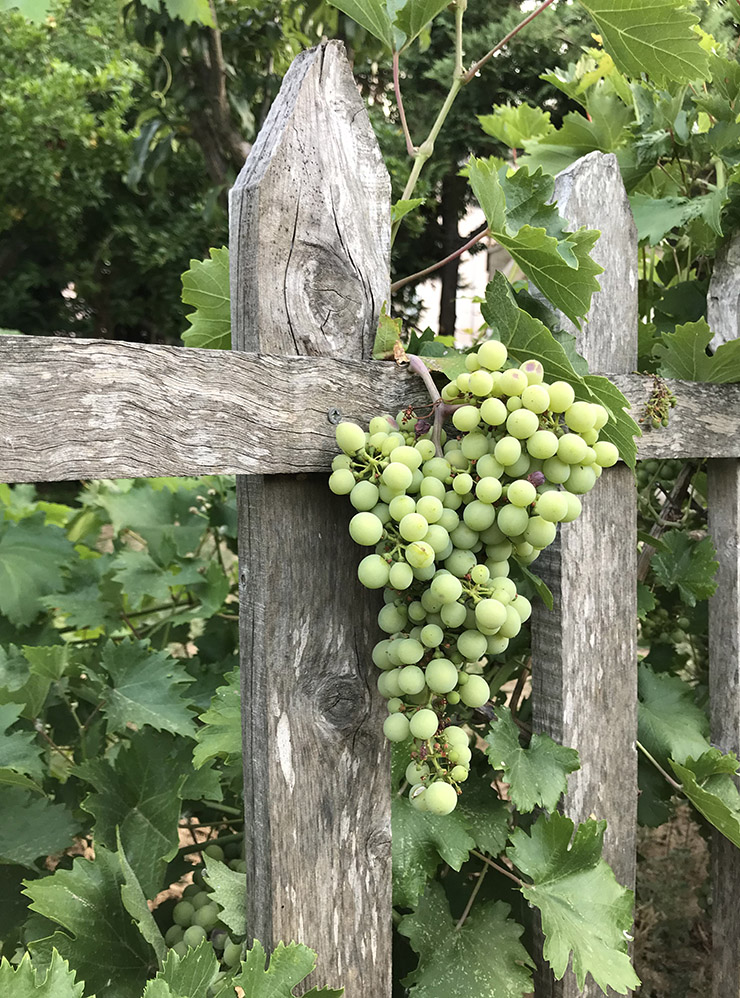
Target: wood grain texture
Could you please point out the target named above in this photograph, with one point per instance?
(83, 409)
(584, 651)
(310, 240)
(724, 640)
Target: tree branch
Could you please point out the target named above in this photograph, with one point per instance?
(504, 41)
(480, 234)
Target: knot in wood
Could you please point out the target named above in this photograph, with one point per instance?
(342, 702)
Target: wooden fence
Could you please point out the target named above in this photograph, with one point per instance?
(309, 255)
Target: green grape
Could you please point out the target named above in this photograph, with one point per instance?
(430, 602)
(392, 618)
(496, 644)
(493, 411)
(471, 645)
(457, 459)
(481, 383)
(521, 493)
(556, 471)
(446, 587)
(507, 451)
(456, 736)
(381, 424)
(459, 773)
(394, 705)
(416, 612)
(365, 529)
(460, 562)
(413, 527)
(452, 614)
(536, 398)
(512, 520)
(475, 692)
(380, 656)
(424, 724)
(437, 467)
(426, 448)
(493, 535)
(430, 508)
(350, 437)
(200, 900)
(523, 607)
(432, 635)
(373, 572)
(411, 679)
(392, 441)
(534, 370)
(492, 355)
(453, 697)
(440, 798)
(416, 773)
(417, 478)
(582, 479)
(561, 396)
(500, 551)
(472, 363)
(464, 537)
(441, 675)
(540, 532)
(180, 948)
(571, 448)
(552, 506)
(461, 754)
(232, 954)
(607, 454)
(432, 487)
(590, 436)
(173, 935)
(488, 490)
(196, 933)
(512, 382)
(207, 916)
(364, 496)
(479, 515)
(409, 456)
(574, 507)
(396, 727)
(410, 651)
(419, 554)
(474, 445)
(490, 613)
(417, 796)
(397, 477)
(513, 403)
(462, 484)
(589, 457)
(522, 424)
(382, 512)
(438, 538)
(601, 414)
(449, 520)
(452, 500)
(401, 575)
(341, 482)
(580, 417)
(450, 392)
(542, 444)
(519, 468)
(466, 418)
(182, 913)
(376, 442)
(388, 684)
(341, 461)
(512, 625)
(480, 575)
(401, 506)
(190, 891)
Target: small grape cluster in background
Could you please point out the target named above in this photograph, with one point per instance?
(197, 916)
(446, 528)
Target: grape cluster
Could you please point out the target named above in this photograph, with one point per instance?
(445, 529)
(197, 917)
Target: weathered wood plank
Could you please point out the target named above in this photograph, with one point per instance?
(133, 410)
(310, 242)
(724, 640)
(584, 652)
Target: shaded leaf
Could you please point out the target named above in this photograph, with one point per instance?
(401, 208)
(221, 735)
(188, 976)
(686, 565)
(670, 724)
(229, 892)
(206, 286)
(18, 749)
(135, 904)
(24, 981)
(32, 562)
(32, 827)
(414, 16)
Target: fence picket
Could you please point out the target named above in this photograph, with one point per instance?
(310, 223)
(584, 653)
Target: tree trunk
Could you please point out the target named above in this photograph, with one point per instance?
(453, 195)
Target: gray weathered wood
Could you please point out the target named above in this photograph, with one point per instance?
(145, 410)
(723, 297)
(584, 652)
(724, 640)
(310, 241)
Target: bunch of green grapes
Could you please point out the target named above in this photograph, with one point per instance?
(445, 528)
(197, 917)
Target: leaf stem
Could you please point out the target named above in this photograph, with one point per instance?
(223, 807)
(410, 147)
(497, 866)
(485, 231)
(460, 8)
(673, 783)
(471, 899)
(504, 41)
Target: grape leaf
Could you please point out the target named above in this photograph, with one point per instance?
(486, 817)
(137, 800)
(538, 775)
(141, 576)
(387, 336)
(401, 208)
(18, 749)
(289, 966)
(707, 782)
(514, 125)
(656, 217)
(420, 841)
(645, 600)
(162, 515)
(24, 981)
(206, 286)
(555, 260)
(670, 725)
(457, 963)
(414, 16)
(35, 10)
(229, 893)
(686, 565)
(191, 11)
(145, 688)
(221, 736)
(136, 905)
(32, 562)
(85, 608)
(96, 932)
(372, 15)
(653, 38)
(32, 827)
(683, 354)
(585, 912)
(188, 976)
(24, 683)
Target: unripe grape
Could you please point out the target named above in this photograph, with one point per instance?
(350, 437)
(582, 479)
(450, 391)
(439, 539)
(540, 532)
(441, 675)
(497, 644)
(432, 488)
(419, 554)
(401, 506)
(552, 506)
(607, 454)
(476, 691)
(474, 445)
(373, 571)
(364, 496)
(460, 754)
(394, 705)
(572, 448)
(410, 651)
(425, 447)
(521, 493)
(440, 798)
(424, 724)
(497, 567)
(196, 933)
(430, 508)
(536, 398)
(173, 935)
(437, 467)
(519, 468)
(432, 636)
(471, 645)
(493, 411)
(574, 507)
(415, 773)
(396, 727)
(409, 456)
(534, 370)
(513, 520)
(463, 382)
(452, 500)
(460, 562)
(397, 477)
(459, 773)
(207, 916)
(542, 444)
(492, 355)
(341, 482)
(561, 396)
(401, 575)
(513, 403)
(182, 913)
(381, 424)
(523, 607)
(180, 948)
(413, 527)
(453, 697)
(511, 626)
(556, 471)
(380, 655)
(464, 536)
(462, 484)
(341, 461)
(512, 382)
(601, 415)
(417, 797)
(499, 552)
(507, 451)
(481, 383)
(522, 424)
(480, 575)
(446, 587)
(453, 614)
(456, 735)
(580, 417)
(200, 900)
(479, 515)
(388, 684)
(411, 679)
(232, 954)
(490, 613)
(365, 529)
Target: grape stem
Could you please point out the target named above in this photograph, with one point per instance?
(673, 783)
(471, 899)
(497, 866)
(441, 409)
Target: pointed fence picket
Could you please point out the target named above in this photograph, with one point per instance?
(309, 258)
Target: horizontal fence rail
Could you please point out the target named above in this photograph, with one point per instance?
(80, 409)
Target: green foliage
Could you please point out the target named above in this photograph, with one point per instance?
(206, 286)
(289, 966)
(23, 981)
(682, 354)
(707, 783)
(686, 565)
(228, 893)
